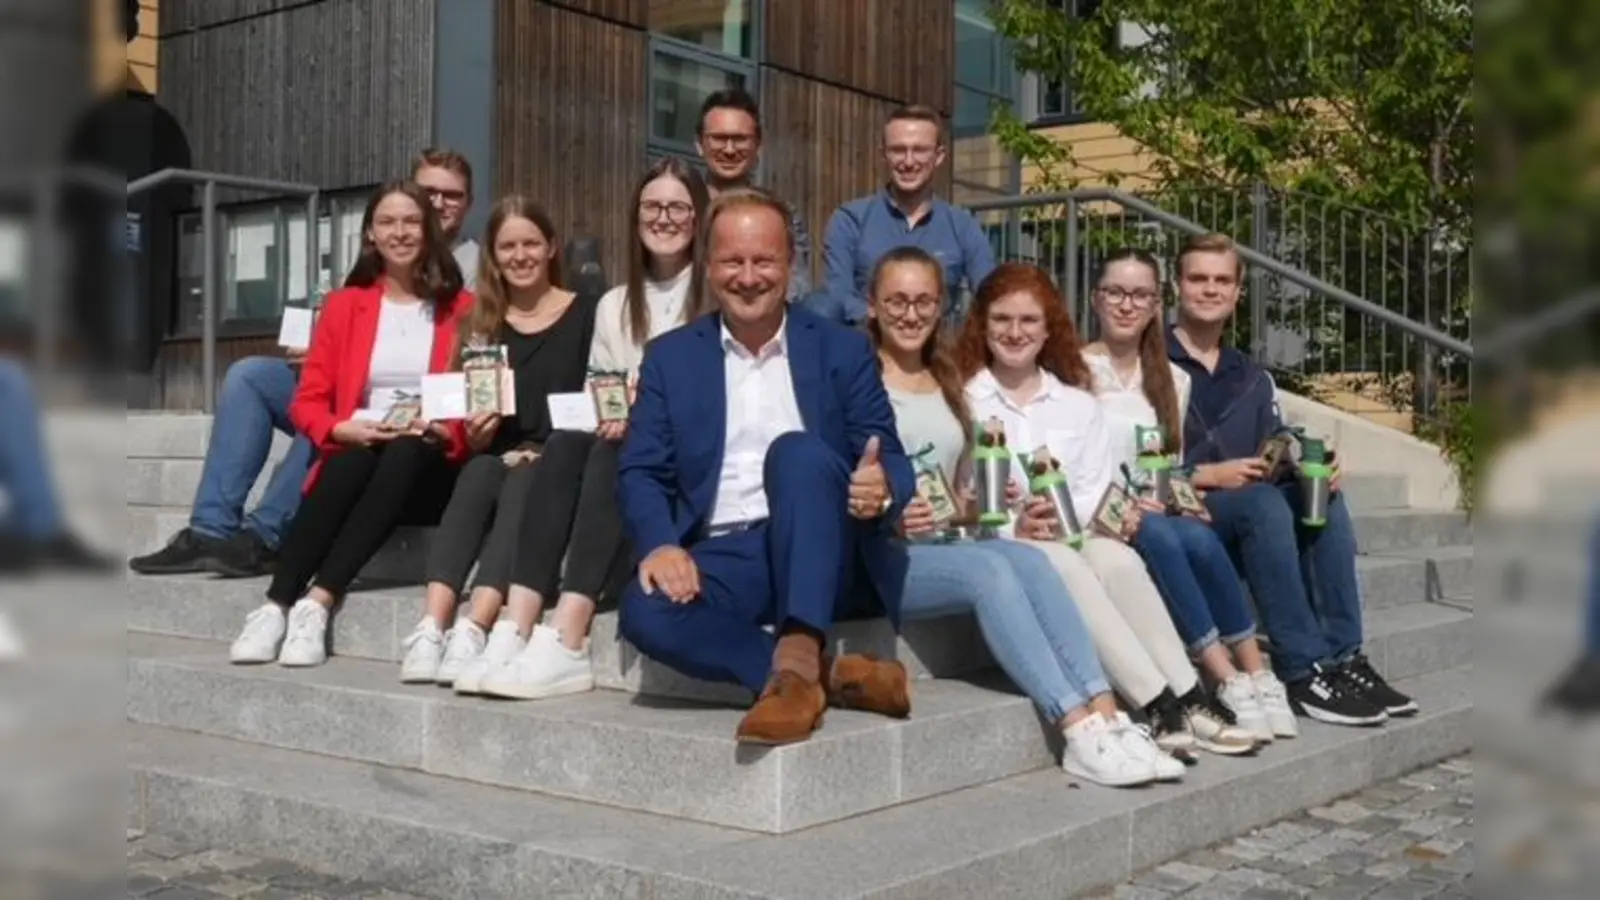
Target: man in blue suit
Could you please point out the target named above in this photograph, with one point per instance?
(759, 482)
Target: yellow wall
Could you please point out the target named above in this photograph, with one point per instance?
(1099, 151)
(120, 64)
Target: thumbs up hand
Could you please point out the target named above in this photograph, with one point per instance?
(869, 486)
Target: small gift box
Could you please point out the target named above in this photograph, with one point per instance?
(404, 412)
(933, 487)
(611, 400)
(1110, 516)
(488, 379)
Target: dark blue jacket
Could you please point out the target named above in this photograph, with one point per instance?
(1231, 410)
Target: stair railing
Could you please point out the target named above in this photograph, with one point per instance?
(208, 183)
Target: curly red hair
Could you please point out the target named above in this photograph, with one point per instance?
(1062, 353)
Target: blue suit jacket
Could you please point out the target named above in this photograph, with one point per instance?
(671, 459)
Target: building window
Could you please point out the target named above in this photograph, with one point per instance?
(726, 27)
(697, 47)
(985, 72)
(261, 264)
(1050, 101)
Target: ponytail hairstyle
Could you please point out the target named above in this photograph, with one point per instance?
(1155, 371)
(936, 353)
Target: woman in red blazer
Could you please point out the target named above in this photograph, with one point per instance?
(393, 322)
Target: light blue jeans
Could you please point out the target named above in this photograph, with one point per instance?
(1027, 617)
(25, 476)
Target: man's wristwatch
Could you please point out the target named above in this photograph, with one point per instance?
(886, 505)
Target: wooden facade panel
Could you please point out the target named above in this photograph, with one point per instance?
(570, 119)
(822, 147)
(182, 15)
(899, 49)
(335, 94)
(630, 12)
(1102, 154)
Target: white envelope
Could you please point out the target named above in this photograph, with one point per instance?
(573, 412)
(295, 332)
(444, 397)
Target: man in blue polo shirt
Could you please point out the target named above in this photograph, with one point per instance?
(1303, 579)
(905, 212)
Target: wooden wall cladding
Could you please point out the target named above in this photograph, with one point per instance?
(182, 15)
(900, 49)
(570, 119)
(629, 12)
(337, 93)
(820, 147)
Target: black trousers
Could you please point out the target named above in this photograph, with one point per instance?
(574, 518)
(482, 522)
(362, 495)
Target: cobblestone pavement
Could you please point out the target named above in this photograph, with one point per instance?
(1403, 839)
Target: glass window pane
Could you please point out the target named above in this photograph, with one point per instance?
(254, 266)
(16, 305)
(972, 113)
(297, 256)
(679, 86)
(349, 241)
(191, 274)
(719, 25)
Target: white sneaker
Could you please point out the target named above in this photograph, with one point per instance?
(10, 641)
(261, 637)
(1274, 700)
(1139, 743)
(504, 645)
(424, 648)
(544, 668)
(1215, 731)
(1238, 694)
(1096, 752)
(463, 643)
(306, 643)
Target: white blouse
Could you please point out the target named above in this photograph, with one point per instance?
(1125, 406)
(613, 348)
(400, 353)
(1065, 419)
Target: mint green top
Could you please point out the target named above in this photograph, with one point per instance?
(924, 419)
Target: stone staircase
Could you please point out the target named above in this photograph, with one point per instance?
(638, 789)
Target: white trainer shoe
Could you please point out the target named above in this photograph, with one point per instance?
(503, 646)
(424, 648)
(306, 642)
(1238, 694)
(1096, 752)
(545, 668)
(261, 637)
(463, 643)
(1274, 700)
(1137, 739)
(1215, 730)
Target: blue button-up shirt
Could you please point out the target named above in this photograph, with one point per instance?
(863, 230)
(1232, 409)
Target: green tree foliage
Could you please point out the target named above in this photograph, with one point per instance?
(1365, 102)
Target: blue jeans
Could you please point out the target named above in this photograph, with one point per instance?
(797, 566)
(253, 403)
(1593, 641)
(1028, 619)
(1303, 579)
(35, 512)
(1196, 579)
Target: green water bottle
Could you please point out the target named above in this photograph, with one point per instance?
(1316, 481)
(991, 469)
(1045, 479)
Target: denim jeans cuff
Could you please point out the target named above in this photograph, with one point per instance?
(1245, 635)
(1203, 643)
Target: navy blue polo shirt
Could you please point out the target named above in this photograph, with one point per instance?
(1232, 410)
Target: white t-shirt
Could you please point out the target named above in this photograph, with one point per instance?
(400, 353)
(613, 348)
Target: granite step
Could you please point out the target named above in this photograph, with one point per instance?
(651, 754)
(1029, 836)
(371, 624)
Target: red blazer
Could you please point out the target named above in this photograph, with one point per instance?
(334, 376)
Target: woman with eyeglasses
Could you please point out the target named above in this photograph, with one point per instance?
(571, 543)
(1020, 354)
(1138, 387)
(1028, 619)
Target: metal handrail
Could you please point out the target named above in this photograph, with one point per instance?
(209, 182)
(1419, 330)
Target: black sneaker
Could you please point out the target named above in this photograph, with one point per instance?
(245, 555)
(1329, 697)
(187, 552)
(1578, 691)
(1359, 672)
(1169, 727)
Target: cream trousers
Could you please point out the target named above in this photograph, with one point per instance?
(1132, 631)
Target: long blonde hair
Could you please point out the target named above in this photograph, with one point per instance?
(492, 296)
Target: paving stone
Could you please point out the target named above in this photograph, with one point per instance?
(1139, 892)
(1354, 887)
(1188, 873)
(183, 893)
(1388, 870)
(1344, 812)
(1163, 882)
(1430, 825)
(1406, 890)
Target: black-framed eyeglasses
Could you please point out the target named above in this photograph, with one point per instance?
(676, 211)
(729, 141)
(1141, 298)
(450, 196)
(898, 306)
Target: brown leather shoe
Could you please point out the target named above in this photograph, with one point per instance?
(789, 709)
(862, 681)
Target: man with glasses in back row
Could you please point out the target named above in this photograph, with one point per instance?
(254, 402)
(905, 212)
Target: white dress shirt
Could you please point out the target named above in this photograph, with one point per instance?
(1065, 419)
(1126, 407)
(761, 406)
